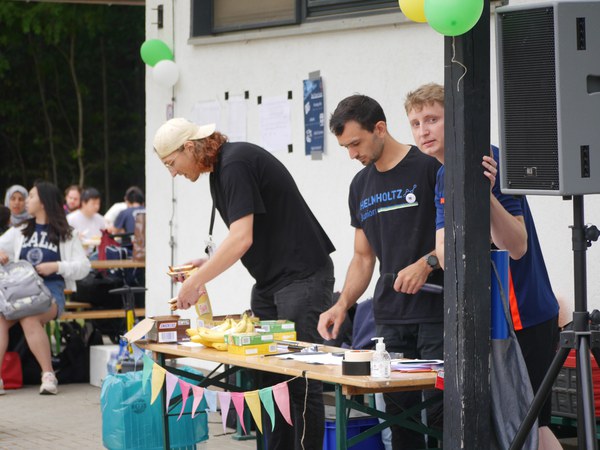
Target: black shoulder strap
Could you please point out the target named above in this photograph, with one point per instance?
(212, 220)
(210, 230)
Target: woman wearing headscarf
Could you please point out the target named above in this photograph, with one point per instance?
(48, 242)
(15, 200)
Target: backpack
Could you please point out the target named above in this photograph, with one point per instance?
(72, 365)
(22, 291)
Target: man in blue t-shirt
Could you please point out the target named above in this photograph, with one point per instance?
(125, 221)
(533, 306)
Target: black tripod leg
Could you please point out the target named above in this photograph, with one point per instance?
(585, 397)
(540, 398)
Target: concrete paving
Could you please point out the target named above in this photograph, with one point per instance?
(72, 420)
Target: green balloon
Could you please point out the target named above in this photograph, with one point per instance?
(453, 17)
(155, 50)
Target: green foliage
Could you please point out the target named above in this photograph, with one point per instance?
(38, 104)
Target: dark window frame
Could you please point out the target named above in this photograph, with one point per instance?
(305, 11)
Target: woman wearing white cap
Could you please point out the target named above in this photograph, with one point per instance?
(277, 238)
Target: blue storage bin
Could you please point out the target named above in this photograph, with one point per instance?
(130, 422)
(356, 425)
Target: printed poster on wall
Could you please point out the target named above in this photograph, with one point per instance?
(314, 116)
(275, 124)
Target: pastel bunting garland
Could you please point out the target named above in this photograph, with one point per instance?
(185, 392)
(171, 383)
(267, 397)
(253, 402)
(198, 393)
(281, 394)
(225, 401)
(238, 402)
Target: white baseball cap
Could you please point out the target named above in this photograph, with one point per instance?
(175, 132)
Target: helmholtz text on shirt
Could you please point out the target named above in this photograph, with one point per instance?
(381, 197)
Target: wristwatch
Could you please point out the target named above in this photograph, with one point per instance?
(432, 261)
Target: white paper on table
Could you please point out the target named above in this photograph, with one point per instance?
(414, 364)
(190, 344)
(237, 113)
(318, 358)
(275, 124)
(204, 113)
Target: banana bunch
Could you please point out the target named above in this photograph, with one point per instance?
(215, 337)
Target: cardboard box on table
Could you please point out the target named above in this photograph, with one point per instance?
(276, 326)
(161, 329)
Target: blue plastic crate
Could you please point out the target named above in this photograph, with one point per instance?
(356, 425)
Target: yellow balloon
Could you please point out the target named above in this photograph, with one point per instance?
(413, 9)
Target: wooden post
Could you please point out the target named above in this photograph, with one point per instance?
(467, 246)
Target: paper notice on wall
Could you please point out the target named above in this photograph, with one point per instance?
(275, 124)
(206, 112)
(237, 114)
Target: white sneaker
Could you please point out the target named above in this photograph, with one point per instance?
(49, 384)
(2, 391)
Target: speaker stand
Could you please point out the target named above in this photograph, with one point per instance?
(581, 338)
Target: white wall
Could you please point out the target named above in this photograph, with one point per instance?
(383, 57)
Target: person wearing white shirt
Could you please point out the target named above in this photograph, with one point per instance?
(86, 221)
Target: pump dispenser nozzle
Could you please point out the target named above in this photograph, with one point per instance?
(381, 363)
(380, 344)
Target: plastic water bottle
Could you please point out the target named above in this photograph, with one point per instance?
(111, 366)
(381, 364)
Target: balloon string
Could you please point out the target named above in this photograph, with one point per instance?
(454, 60)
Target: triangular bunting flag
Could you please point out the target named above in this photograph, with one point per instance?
(254, 406)
(137, 352)
(266, 397)
(211, 400)
(198, 393)
(281, 394)
(158, 378)
(224, 400)
(147, 371)
(185, 391)
(171, 383)
(238, 402)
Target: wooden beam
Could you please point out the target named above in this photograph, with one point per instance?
(467, 246)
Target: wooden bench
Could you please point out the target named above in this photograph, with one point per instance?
(77, 306)
(100, 314)
(81, 314)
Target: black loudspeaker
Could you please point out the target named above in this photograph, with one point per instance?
(548, 60)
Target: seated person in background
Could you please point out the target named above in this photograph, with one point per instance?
(86, 221)
(111, 215)
(125, 221)
(15, 200)
(49, 244)
(72, 198)
(4, 219)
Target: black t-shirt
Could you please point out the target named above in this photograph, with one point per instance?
(288, 242)
(396, 211)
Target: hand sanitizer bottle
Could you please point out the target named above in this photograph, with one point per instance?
(381, 364)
